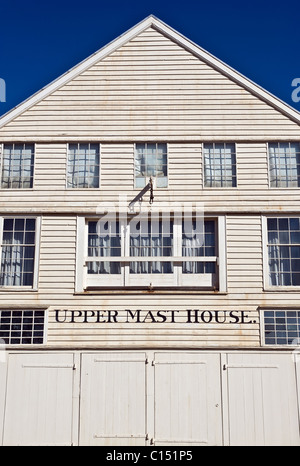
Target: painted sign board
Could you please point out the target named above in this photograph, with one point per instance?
(191, 316)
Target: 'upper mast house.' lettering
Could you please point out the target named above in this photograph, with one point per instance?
(150, 253)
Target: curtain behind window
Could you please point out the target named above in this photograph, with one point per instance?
(151, 238)
(18, 250)
(17, 166)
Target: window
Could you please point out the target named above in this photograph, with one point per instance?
(219, 165)
(197, 243)
(83, 166)
(151, 238)
(151, 160)
(146, 251)
(17, 166)
(283, 251)
(104, 240)
(18, 252)
(24, 327)
(282, 327)
(284, 165)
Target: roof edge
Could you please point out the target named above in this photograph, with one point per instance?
(152, 21)
(75, 70)
(227, 70)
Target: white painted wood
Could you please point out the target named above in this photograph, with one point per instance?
(161, 398)
(263, 406)
(113, 385)
(266, 279)
(38, 407)
(3, 374)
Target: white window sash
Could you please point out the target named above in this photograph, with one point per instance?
(175, 279)
(18, 175)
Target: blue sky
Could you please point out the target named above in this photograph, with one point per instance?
(39, 41)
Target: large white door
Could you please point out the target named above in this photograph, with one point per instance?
(188, 408)
(262, 399)
(113, 399)
(38, 408)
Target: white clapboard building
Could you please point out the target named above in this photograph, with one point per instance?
(150, 254)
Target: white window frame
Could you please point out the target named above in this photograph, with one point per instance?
(266, 278)
(76, 188)
(34, 286)
(177, 279)
(154, 178)
(22, 323)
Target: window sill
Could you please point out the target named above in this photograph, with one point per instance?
(282, 289)
(18, 289)
(150, 291)
(285, 188)
(82, 189)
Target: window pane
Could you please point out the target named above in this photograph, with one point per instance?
(83, 165)
(282, 327)
(284, 251)
(284, 164)
(151, 160)
(17, 166)
(219, 165)
(18, 251)
(104, 240)
(22, 327)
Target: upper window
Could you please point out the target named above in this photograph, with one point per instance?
(151, 160)
(219, 165)
(283, 244)
(284, 164)
(83, 166)
(18, 252)
(152, 251)
(17, 166)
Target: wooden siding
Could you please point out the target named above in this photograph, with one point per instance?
(151, 88)
(245, 293)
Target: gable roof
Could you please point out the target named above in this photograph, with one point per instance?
(152, 21)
